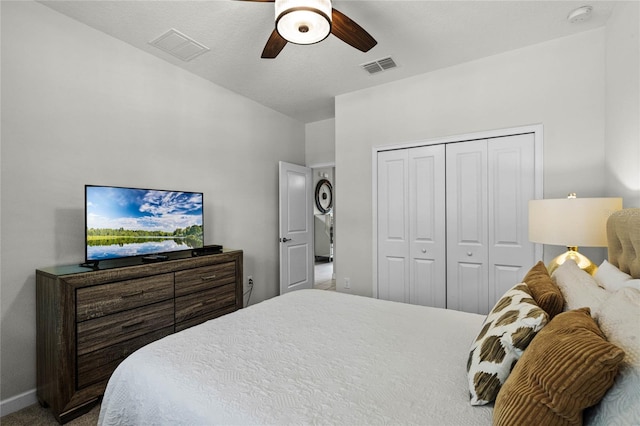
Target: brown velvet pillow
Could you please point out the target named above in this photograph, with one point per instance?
(568, 367)
(545, 292)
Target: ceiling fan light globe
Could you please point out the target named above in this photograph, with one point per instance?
(303, 21)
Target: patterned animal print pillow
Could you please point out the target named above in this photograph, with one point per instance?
(510, 326)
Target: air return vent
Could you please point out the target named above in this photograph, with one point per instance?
(179, 45)
(379, 65)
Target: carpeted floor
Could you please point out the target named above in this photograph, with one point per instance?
(35, 415)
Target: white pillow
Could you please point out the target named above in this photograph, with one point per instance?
(632, 283)
(578, 287)
(619, 319)
(610, 277)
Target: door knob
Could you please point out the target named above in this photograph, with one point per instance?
(469, 253)
(424, 250)
(284, 240)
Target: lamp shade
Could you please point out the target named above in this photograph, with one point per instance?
(303, 21)
(571, 222)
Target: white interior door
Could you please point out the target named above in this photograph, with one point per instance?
(296, 227)
(427, 234)
(472, 216)
(467, 248)
(393, 225)
(411, 231)
(511, 183)
(489, 183)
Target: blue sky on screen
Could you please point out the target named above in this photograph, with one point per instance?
(141, 209)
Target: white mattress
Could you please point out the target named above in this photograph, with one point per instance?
(308, 357)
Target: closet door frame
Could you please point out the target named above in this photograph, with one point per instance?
(536, 129)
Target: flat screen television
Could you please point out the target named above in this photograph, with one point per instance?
(126, 222)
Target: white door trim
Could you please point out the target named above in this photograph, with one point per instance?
(536, 129)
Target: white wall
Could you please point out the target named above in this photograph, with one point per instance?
(320, 143)
(560, 84)
(81, 107)
(623, 103)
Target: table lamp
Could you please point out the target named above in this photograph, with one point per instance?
(571, 222)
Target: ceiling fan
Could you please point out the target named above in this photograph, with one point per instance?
(311, 21)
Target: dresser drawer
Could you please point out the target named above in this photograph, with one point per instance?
(205, 277)
(105, 331)
(101, 300)
(205, 304)
(98, 365)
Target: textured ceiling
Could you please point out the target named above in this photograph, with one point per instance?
(421, 36)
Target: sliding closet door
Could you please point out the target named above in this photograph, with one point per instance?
(411, 231)
(467, 246)
(427, 234)
(511, 186)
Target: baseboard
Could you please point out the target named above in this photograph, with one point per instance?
(18, 402)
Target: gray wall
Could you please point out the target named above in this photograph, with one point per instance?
(320, 143)
(622, 133)
(560, 83)
(81, 107)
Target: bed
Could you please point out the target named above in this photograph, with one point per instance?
(320, 357)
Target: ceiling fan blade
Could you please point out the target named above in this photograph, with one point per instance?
(351, 33)
(274, 45)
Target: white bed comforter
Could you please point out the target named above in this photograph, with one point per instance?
(308, 357)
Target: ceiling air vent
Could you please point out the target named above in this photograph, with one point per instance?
(379, 65)
(179, 45)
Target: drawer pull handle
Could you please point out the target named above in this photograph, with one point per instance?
(132, 324)
(208, 277)
(132, 294)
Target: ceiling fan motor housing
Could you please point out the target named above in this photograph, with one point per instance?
(303, 21)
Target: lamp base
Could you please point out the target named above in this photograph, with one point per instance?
(581, 260)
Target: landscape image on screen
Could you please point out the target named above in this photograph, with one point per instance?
(124, 222)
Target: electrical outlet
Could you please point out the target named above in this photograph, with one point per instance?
(347, 282)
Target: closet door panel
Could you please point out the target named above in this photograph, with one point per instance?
(425, 284)
(426, 228)
(393, 272)
(511, 186)
(393, 225)
(502, 278)
(468, 295)
(467, 248)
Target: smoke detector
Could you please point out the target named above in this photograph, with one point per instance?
(580, 14)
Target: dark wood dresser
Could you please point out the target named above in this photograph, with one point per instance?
(88, 321)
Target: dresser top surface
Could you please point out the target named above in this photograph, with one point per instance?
(60, 270)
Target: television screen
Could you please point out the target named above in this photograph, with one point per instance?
(125, 222)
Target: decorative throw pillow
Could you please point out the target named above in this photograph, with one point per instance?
(610, 277)
(567, 367)
(578, 287)
(506, 332)
(545, 292)
(619, 320)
